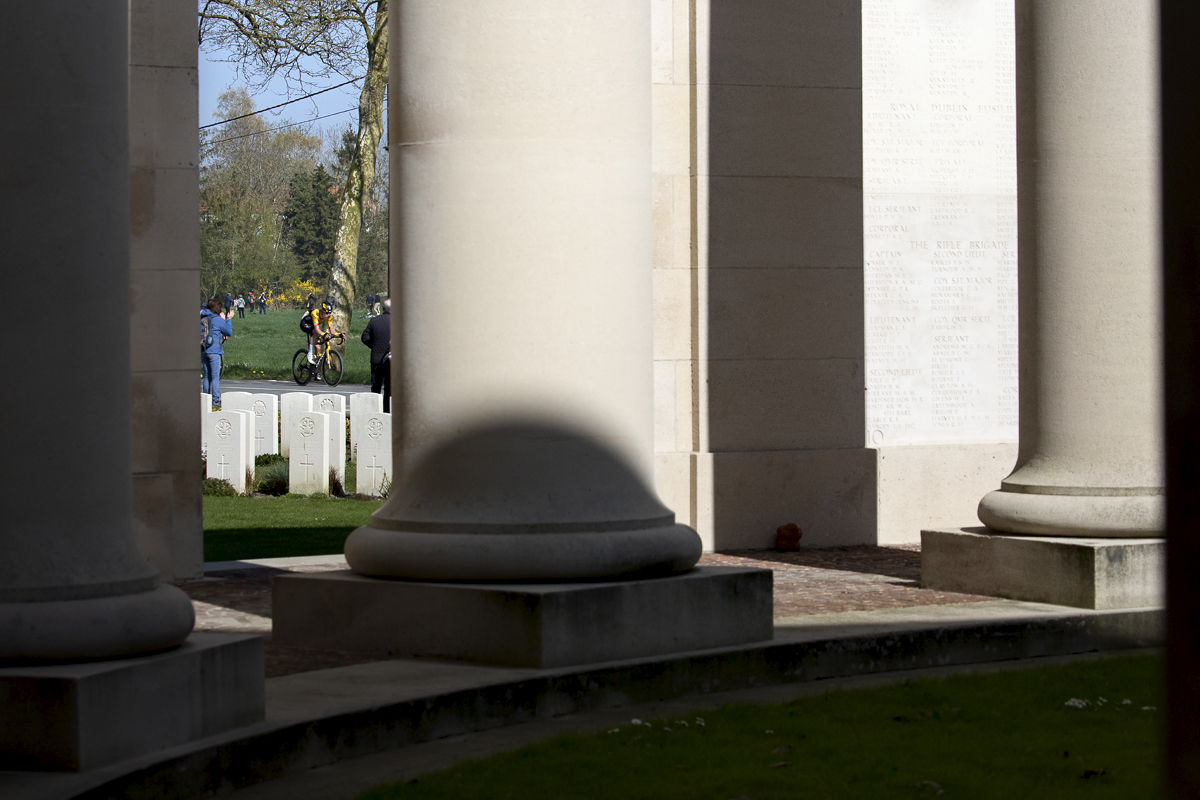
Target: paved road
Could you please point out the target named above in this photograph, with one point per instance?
(279, 387)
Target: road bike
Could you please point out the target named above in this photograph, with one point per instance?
(327, 366)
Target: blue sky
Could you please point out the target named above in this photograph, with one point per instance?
(217, 76)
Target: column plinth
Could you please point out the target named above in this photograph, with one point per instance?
(1090, 461)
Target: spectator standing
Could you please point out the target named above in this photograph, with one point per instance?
(250, 301)
(210, 357)
(228, 303)
(241, 306)
(262, 301)
(310, 303)
(378, 337)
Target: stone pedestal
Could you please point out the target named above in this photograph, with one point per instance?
(1098, 573)
(73, 586)
(525, 625)
(1091, 455)
(78, 717)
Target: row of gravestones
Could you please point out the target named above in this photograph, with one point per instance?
(309, 430)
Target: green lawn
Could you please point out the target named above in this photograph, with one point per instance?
(1009, 735)
(263, 345)
(275, 527)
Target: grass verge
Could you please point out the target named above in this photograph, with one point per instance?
(263, 345)
(1086, 729)
(277, 527)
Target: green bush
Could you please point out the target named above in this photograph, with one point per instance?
(219, 487)
(272, 477)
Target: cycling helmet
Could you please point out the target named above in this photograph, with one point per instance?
(326, 307)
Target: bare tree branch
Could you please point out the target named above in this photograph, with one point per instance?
(303, 42)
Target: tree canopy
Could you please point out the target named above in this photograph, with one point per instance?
(244, 187)
(310, 223)
(307, 43)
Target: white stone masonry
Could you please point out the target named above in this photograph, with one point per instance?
(243, 401)
(329, 402)
(361, 404)
(291, 404)
(265, 408)
(308, 463)
(225, 437)
(374, 452)
(337, 442)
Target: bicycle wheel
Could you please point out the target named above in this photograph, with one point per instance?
(301, 369)
(331, 370)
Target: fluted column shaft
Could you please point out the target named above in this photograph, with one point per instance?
(1090, 461)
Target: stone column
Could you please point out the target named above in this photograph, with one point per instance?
(1090, 461)
(521, 278)
(72, 584)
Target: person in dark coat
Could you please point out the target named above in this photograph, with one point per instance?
(378, 337)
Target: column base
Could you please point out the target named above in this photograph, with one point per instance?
(1098, 573)
(516, 557)
(525, 625)
(1097, 516)
(78, 717)
(114, 626)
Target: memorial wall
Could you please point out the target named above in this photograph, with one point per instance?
(940, 221)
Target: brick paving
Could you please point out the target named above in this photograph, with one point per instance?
(831, 580)
(807, 581)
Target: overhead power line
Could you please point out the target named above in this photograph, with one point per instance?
(281, 127)
(284, 103)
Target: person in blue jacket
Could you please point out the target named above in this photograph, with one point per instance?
(210, 358)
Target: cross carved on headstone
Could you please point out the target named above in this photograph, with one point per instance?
(260, 437)
(308, 465)
(223, 463)
(370, 468)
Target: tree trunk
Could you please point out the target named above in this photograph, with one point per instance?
(361, 173)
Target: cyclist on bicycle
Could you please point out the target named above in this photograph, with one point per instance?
(322, 329)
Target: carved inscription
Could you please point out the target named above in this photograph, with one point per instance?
(940, 226)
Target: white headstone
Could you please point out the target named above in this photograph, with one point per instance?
(265, 408)
(361, 404)
(225, 436)
(239, 400)
(290, 404)
(243, 401)
(337, 442)
(205, 402)
(374, 453)
(249, 440)
(330, 402)
(308, 462)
